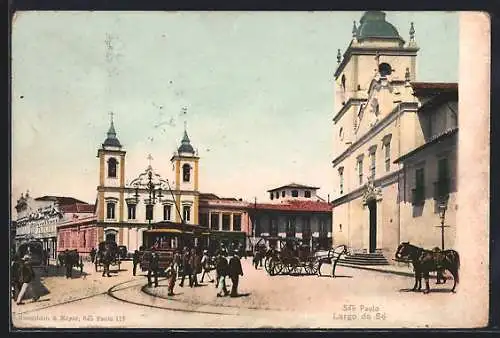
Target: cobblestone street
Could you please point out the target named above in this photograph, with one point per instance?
(355, 298)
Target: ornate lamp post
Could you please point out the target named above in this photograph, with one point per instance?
(155, 196)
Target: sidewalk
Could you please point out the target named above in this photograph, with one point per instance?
(401, 269)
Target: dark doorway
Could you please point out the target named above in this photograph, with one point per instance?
(111, 237)
(372, 206)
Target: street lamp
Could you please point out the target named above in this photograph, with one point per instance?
(443, 205)
(155, 196)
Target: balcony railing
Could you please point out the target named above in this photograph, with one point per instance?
(418, 196)
(441, 188)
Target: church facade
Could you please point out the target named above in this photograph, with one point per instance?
(377, 120)
(125, 210)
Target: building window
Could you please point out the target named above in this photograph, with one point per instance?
(388, 157)
(271, 196)
(167, 212)
(237, 222)
(419, 192)
(226, 220)
(290, 227)
(186, 172)
(307, 194)
(112, 163)
(110, 210)
(149, 212)
(295, 193)
(323, 230)
(186, 212)
(204, 219)
(214, 221)
(273, 229)
(283, 193)
(277, 195)
(360, 170)
(442, 185)
(372, 165)
(306, 230)
(131, 211)
(257, 227)
(341, 180)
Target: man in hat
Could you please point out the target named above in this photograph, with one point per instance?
(135, 261)
(235, 271)
(205, 264)
(27, 275)
(153, 268)
(222, 271)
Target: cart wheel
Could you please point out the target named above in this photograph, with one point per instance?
(311, 267)
(275, 267)
(267, 264)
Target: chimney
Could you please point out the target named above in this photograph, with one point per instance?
(328, 198)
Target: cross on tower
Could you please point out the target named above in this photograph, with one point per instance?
(150, 158)
(111, 115)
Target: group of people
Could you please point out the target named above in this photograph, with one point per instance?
(190, 263)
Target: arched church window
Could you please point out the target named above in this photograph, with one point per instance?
(110, 210)
(384, 69)
(112, 163)
(186, 172)
(343, 81)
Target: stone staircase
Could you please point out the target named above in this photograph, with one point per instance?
(363, 259)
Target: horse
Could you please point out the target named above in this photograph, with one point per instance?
(425, 261)
(333, 257)
(70, 259)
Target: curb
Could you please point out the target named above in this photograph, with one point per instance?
(400, 273)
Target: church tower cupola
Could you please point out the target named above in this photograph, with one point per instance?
(186, 146)
(374, 26)
(112, 140)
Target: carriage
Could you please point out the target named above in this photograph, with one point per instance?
(292, 256)
(116, 260)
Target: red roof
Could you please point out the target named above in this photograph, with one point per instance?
(62, 200)
(310, 206)
(78, 208)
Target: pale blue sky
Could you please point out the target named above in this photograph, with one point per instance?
(258, 86)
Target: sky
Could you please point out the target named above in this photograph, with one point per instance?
(258, 87)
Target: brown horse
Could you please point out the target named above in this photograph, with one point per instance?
(425, 261)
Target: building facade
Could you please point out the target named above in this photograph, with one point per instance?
(377, 120)
(428, 180)
(296, 215)
(38, 218)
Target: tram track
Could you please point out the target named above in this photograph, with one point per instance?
(111, 292)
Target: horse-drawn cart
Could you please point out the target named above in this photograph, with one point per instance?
(108, 250)
(291, 256)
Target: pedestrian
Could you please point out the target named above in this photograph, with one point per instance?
(195, 261)
(93, 254)
(235, 271)
(205, 264)
(68, 264)
(153, 269)
(171, 277)
(135, 261)
(221, 268)
(187, 269)
(27, 275)
(15, 275)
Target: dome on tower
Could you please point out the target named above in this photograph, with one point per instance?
(373, 25)
(186, 146)
(112, 140)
